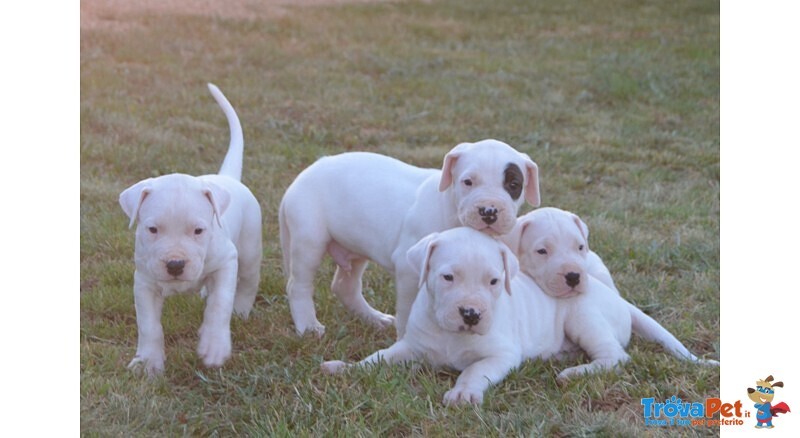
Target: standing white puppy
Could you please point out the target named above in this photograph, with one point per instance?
(362, 206)
(472, 314)
(553, 248)
(195, 233)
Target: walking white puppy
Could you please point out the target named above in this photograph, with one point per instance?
(195, 233)
(361, 206)
(472, 314)
(552, 246)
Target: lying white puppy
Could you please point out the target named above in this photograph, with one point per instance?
(472, 314)
(552, 246)
(362, 206)
(194, 233)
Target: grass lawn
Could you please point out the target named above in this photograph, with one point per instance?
(617, 102)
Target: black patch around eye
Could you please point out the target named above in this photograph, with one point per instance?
(513, 181)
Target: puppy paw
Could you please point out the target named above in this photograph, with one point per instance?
(381, 320)
(242, 305)
(214, 347)
(316, 329)
(461, 396)
(151, 367)
(334, 367)
(708, 362)
(576, 371)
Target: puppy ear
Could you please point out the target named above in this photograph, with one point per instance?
(419, 255)
(447, 168)
(219, 199)
(131, 199)
(514, 238)
(581, 226)
(778, 384)
(532, 186)
(769, 378)
(510, 265)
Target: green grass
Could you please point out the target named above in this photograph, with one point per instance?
(618, 103)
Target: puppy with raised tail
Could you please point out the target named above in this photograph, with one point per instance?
(553, 249)
(195, 233)
(361, 206)
(472, 314)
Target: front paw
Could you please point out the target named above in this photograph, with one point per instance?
(151, 366)
(214, 347)
(463, 395)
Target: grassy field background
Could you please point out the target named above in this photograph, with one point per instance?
(617, 101)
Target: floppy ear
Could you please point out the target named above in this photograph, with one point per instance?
(510, 265)
(581, 226)
(419, 255)
(447, 168)
(778, 384)
(218, 197)
(514, 237)
(769, 378)
(131, 199)
(532, 185)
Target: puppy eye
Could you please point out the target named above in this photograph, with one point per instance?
(198, 231)
(542, 251)
(468, 182)
(447, 277)
(493, 282)
(580, 248)
(153, 230)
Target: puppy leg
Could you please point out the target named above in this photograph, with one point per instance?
(215, 332)
(476, 378)
(347, 286)
(305, 257)
(249, 276)
(400, 351)
(150, 349)
(603, 349)
(407, 283)
(650, 329)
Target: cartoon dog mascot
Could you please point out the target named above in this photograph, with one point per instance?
(763, 395)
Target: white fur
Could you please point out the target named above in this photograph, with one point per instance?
(363, 206)
(195, 233)
(552, 246)
(461, 270)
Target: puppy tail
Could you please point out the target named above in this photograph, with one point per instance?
(232, 165)
(648, 328)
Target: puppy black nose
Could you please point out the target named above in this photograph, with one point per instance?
(488, 215)
(573, 279)
(470, 316)
(175, 267)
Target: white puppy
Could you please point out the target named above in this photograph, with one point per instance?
(361, 206)
(195, 233)
(552, 246)
(472, 314)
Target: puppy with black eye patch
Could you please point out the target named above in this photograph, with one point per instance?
(359, 207)
(553, 249)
